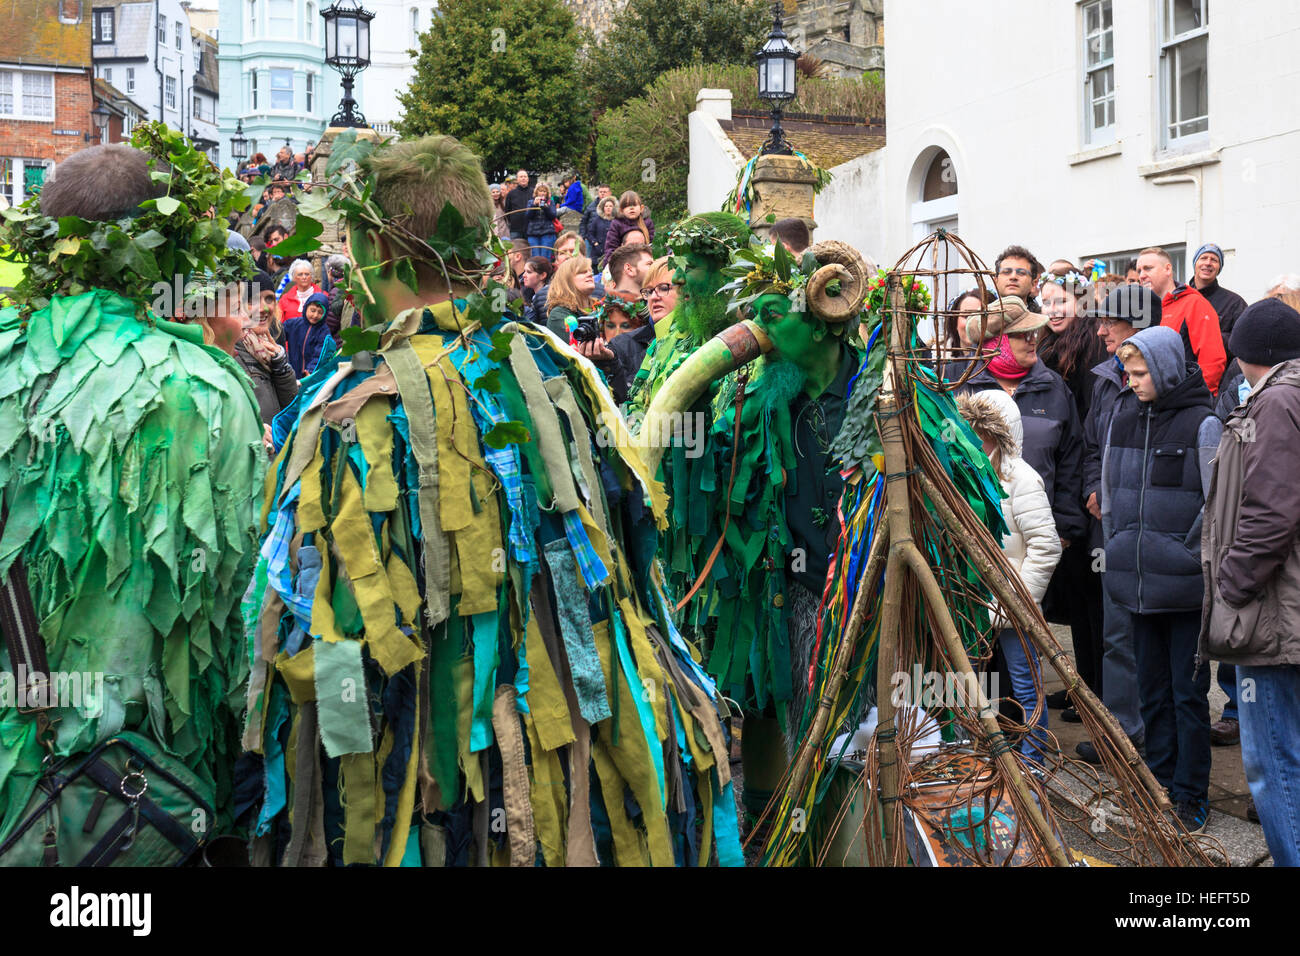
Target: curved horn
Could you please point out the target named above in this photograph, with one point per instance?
(727, 351)
(839, 261)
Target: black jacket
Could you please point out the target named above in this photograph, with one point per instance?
(274, 388)
(1228, 306)
(630, 348)
(536, 311)
(1053, 443)
(516, 206)
(596, 234)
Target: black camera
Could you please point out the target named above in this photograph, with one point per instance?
(588, 330)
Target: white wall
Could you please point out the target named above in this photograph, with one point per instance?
(715, 161)
(391, 67)
(1011, 120)
(848, 208)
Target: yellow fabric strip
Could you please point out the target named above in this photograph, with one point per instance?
(628, 849)
(354, 536)
(469, 762)
(457, 436)
(358, 782)
(299, 673)
(545, 697)
(376, 437)
(405, 591)
(632, 755)
(311, 512)
(547, 796)
(323, 622)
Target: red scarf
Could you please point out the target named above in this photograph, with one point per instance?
(1003, 365)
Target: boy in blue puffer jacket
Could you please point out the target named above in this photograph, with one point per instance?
(1155, 474)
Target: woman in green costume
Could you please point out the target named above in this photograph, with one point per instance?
(463, 656)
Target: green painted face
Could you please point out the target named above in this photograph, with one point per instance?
(699, 306)
(793, 336)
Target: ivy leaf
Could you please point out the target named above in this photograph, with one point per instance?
(500, 346)
(65, 247)
(506, 433)
(489, 381)
(303, 239)
(151, 239)
(253, 191)
(406, 274)
(159, 177)
(73, 226)
(316, 205)
(358, 340)
(167, 204)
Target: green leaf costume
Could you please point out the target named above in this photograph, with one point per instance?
(128, 450)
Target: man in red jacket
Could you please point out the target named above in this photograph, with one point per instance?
(1187, 312)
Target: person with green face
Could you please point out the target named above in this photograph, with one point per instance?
(461, 631)
(771, 489)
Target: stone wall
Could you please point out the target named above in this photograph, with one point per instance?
(596, 15)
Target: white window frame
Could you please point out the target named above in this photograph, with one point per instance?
(130, 79)
(252, 18)
(179, 34)
(108, 75)
(99, 19)
(1169, 51)
(18, 86)
(1094, 135)
(252, 88)
(309, 85)
(169, 95)
(291, 91)
(162, 30)
(311, 22)
(415, 27)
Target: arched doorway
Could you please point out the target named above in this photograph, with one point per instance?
(933, 187)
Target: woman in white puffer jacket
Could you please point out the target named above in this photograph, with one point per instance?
(1032, 545)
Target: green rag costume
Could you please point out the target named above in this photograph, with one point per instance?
(128, 454)
(462, 656)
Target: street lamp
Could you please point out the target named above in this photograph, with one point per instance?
(347, 49)
(776, 74)
(238, 144)
(99, 117)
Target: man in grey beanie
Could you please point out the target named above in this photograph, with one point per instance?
(1206, 267)
(1251, 566)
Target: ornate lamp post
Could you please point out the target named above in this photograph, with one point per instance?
(239, 144)
(347, 49)
(776, 81)
(99, 117)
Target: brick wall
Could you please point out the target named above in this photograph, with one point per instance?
(35, 139)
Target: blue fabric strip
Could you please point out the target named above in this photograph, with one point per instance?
(726, 831)
(643, 709)
(483, 628)
(594, 572)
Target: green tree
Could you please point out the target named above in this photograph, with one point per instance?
(651, 37)
(502, 76)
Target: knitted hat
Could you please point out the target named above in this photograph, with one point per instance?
(1209, 247)
(1267, 333)
(1132, 303)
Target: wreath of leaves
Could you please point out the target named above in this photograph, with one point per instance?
(167, 237)
(464, 253)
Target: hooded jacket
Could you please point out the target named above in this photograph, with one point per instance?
(1053, 442)
(1155, 474)
(307, 343)
(1251, 544)
(1032, 545)
(1188, 313)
